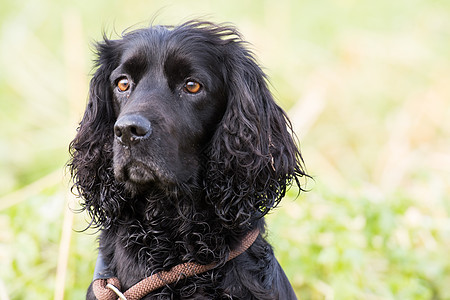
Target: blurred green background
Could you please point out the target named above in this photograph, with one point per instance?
(366, 84)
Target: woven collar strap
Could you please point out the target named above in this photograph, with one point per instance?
(109, 288)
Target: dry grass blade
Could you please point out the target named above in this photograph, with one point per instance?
(73, 40)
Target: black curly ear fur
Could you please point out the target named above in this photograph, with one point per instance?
(91, 150)
(253, 157)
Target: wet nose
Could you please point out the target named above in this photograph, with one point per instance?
(131, 129)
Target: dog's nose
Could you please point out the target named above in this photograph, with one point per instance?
(131, 129)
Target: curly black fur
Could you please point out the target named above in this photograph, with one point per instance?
(214, 163)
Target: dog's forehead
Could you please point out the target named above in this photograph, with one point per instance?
(155, 44)
(142, 44)
(177, 53)
(134, 54)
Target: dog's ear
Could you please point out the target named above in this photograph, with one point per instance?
(91, 149)
(253, 155)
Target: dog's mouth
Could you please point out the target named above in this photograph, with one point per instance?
(143, 167)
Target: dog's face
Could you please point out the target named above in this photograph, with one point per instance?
(168, 97)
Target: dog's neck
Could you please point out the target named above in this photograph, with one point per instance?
(166, 231)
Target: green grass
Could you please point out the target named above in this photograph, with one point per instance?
(365, 84)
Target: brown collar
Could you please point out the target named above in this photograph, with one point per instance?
(109, 288)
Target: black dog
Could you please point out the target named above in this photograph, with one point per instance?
(180, 154)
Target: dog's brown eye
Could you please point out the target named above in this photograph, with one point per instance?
(192, 87)
(123, 84)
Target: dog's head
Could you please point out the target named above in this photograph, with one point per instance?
(184, 108)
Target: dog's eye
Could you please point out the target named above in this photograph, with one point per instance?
(192, 86)
(123, 84)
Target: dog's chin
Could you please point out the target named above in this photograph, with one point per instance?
(138, 177)
(139, 174)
